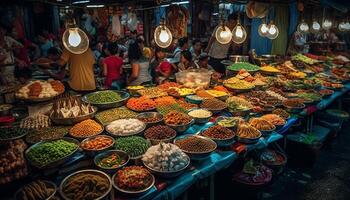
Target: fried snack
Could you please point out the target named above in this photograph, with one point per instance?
(247, 131)
(274, 119)
(261, 124)
(35, 190)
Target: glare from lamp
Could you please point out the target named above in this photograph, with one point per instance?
(342, 26)
(263, 30)
(239, 34)
(74, 38)
(327, 24)
(315, 26)
(223, 35)
(163, 36)
(347, 26)
(273, 32)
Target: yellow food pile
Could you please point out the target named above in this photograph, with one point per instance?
(269, 68)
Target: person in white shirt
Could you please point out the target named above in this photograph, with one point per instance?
(196, 49)
(182, 46)
(218, 52)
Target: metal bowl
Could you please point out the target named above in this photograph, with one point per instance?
(7, 111)
(141, 111)
(221, 142)
(155, 141)
(248, 140)
(233, 127)
(168, 174)
(151, 115)
(105, 154)
(199, 120)
(181, 128)
(38, 99)
(126, 135)
(267, 132)
(135, 193)
(240, 113)
(73, 120)
(97, 151)
(124, 95)
(49, 184)
(294, 109)
(84, 137)
(239, 58)
(13, 138)
(90, 171)
(198, 155)
(54, 163)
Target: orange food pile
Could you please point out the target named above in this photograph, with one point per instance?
(167, 85)
(35, 89)
(85, 128)
(141, 104)
(97, 143)
(57, 86)
(204, 94)
(221, 88)
(177, 118)
(186, 105)
(274, 119)
(167, 100)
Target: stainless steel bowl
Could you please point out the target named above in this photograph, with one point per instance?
(294, 109)
(221, 142)
(248, 140)
(239, 58)
(56, 162)
(181, 128)
(151, 115)
(156, 141)
(73, 120)
(198, 155)
(49, 184)
(124, 98)
(94, 152)
(199, 120)
(267, 132)
(90, 171)
(168, 174)
(105, 154)
(134, 193)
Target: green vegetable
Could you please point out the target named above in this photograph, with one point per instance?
(104, 97)
(48, 152)
(311, 96)
(243, 65)
(227, 122)
(134, 146)
(50, 133)
(107, 116)
(11, 132)
(163, 110)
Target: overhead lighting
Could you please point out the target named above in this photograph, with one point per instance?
(342, 26)
(181, 2)
(263, 29)
(223, 33)
(315, 27)
(95, 6)
(273, 31)
(162, 35)
(327, 24)
(215, 14)
(74, 39)
(303, 27)
(239, 33)
(80, 1)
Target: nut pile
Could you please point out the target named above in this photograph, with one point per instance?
(218, 133)
(85, 128)
(213, 104)
(160, 132)
(200, 113)
(177, 118)
(195, 144)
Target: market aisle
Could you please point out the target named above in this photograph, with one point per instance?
(328, 179)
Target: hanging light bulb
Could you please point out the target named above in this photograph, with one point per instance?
(342, 26)
(316, 27)
(347, 26)
(263, 29)
(273, 31)
(223, 33)
(162, 35)
(303, 27)
(327, 24)
(74, 39)
(239, 33)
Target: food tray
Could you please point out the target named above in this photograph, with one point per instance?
(124, 95)
(38, 99)
(94, 152)
(91, 171)
(54, 163)
(73, 120)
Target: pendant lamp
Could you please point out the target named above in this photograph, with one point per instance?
(342, 26)
(303, 27)
(327, 24)
(273, 31)
(74, 39)
(315, 27)
(263, 29)
(223, 33)
(162, 35)
(239, 34)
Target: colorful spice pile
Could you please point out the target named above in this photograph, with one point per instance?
(261, 124)
(97, 143)
(195, 144)
(152, 119)
(134, 146)
(213, 104)
(274, 119)
(218, 133)
(186, 105)
(152, 92)
(167, 85)
(282, 113)
(86, 128)
(294, 103)
(247, 131)
(107, 116)
(165, 109)
(102, 97)
(48, 152)
(177, 118)
(141, 104)
(160, 132)
(163, 101)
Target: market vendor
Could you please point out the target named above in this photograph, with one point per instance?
(217, 51)
(297, 43)
(185, 61)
